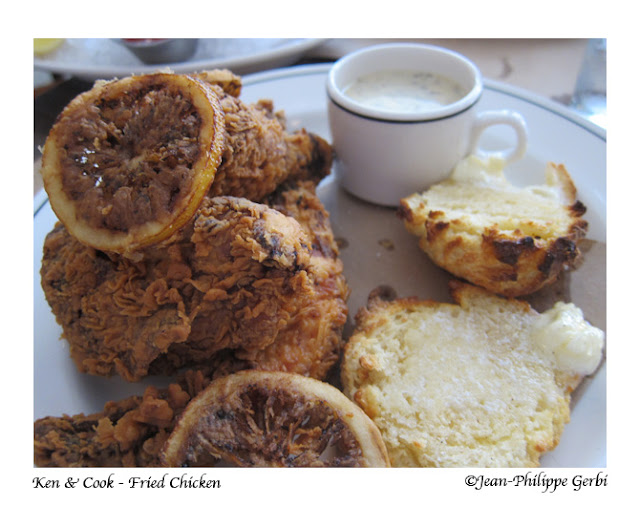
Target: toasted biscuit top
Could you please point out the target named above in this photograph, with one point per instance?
(508, 239)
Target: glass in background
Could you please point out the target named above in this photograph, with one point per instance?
(590, 94)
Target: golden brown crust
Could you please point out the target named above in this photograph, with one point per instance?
(102, 155)
(126, 433)
(512, 264)
(224, 283)
(511, 256)
(243, 286)
(229, 82)
(260, 154)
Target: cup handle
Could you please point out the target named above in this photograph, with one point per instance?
(486, 119)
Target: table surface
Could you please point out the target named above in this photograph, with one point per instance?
(547, 67)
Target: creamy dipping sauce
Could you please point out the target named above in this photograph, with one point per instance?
(404, 91)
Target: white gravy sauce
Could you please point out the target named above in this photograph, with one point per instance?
(404, 91)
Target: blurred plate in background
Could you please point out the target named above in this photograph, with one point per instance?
(107, 58)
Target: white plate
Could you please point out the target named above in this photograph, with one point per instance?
(556, 134)
(106, 58)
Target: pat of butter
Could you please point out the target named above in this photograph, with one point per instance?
(490, 172)
(573, 343)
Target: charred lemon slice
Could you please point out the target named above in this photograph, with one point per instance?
(273, 419)
(128, 162)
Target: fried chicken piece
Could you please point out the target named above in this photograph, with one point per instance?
(260, 153)
(239, 278)
(128, 162)
(130, 432)
(313, 334)
(126, 433)
(311, 340)
(240, 286)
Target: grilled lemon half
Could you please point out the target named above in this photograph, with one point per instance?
(128, 162)
(273, 419)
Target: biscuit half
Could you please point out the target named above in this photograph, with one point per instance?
(484, 382)
(481, 228)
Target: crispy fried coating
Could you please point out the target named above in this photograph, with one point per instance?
(126, 433)
(311, 341)
(260, 153)
(223, 291)
(253, 281)
(130, 432)
(226, 80)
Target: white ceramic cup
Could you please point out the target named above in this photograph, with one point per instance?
(383, 156)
